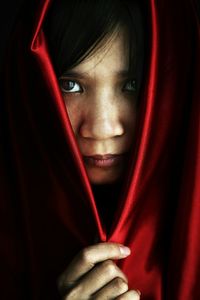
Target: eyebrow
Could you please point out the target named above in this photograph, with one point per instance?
(75, 74)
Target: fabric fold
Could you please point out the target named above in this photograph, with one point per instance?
(48, 211)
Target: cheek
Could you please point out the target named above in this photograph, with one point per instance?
(128, 115)
(75, 114)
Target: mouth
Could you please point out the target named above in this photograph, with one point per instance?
(104, 161)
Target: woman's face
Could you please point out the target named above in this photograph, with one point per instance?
(100, 98)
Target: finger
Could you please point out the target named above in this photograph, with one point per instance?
(90, 256)
(113, 289)
(130, 295)
(100, 276)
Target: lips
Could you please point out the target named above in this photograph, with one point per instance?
(103, 161)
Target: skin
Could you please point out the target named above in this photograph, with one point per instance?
(93, 275)
(101, 103)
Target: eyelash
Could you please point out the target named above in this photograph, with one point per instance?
(63, 81)
(134, 83)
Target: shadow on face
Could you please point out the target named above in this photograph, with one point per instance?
(100, 97)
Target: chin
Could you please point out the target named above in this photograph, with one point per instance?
(103, 176)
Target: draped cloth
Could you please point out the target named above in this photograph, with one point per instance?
(47, 208)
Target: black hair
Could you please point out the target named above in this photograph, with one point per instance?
(74, 29)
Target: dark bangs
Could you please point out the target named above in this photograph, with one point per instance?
(74, 29)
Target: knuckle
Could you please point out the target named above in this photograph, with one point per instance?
(59, 282)
(61, 285)
(120, 285)
(73, 293)
(136, 295)
(85, 256)
(122, 297)
(129, 295)
(109, 267)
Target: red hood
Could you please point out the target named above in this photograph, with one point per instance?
(48, 209)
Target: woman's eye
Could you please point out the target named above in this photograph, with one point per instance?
(130, 86)
(70, 86)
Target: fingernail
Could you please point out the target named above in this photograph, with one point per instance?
(125, 251)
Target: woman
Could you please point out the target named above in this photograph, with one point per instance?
(99, 72)
(95, 79)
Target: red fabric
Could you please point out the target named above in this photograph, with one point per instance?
(47, 210)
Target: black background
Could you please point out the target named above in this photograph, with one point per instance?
(8, 13)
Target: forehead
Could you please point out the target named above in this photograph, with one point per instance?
(111, 57)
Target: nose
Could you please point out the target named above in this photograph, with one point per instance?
(102, 120)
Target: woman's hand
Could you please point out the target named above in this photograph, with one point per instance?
(93, 275)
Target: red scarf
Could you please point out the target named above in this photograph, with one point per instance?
(48, 212)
